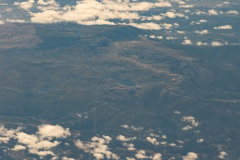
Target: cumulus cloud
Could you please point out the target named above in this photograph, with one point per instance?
(39, 143)
(216, 44)
(187, 42)
(93, 12)
(123, 138)
(131, 127)
(66, 158)
(141, 154)
(15, 20)
(222, 155)
(18, 148)
(25, 5)
(157, 156)
(212, 12)
(202, 43)
(186, 6)
(202, 32)
(152, 140)
(191, 120)
(97, 147)
(50, 131)
(167, 26)
(200, 140)
(190, 156)
(232, 12)
(180, 32)
(224, 27)
(7, 134)
(130, 146)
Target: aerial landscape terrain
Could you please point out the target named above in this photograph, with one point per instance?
(119, 79)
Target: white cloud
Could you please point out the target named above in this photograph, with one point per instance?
(202, 43)
(167, 26)
(212, 12)
(216, 44)
(170, 14)
(123, 138)
(186, 6)
(50, 131)
(152, 140)
(130, 146)
(232, 12)
(18, 148)
(180, 32)
(200, 140)
(202, 32)
(191, 120)
(190, 156)
(141, 154)
(7, 134)
(66, 158)
(222, 155)
(25, 5)
(15, 20)
(97, 147)
(224, 27)
(157, 156)
(147, 26)
(187, 42)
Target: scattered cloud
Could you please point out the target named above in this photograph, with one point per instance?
(222, 155)
(202, 32)
(187, 42)
(212, 12)
(97, 147)
(232, 12)
(152, 140)
(224, 27)
(191, 120)
(190, 156)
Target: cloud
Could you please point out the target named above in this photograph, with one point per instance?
(157, 156)
(167, 26)
(152, 140)
(216, 44)
(187, 42)
(141, 154)
(50, 131)
(202, 43)
(212, 12)
(202, 32)
(180, 32)
(39, 143)
(97, 147)
(132, 127)
(222, 155)
(170, 14)
(224, 27)
(200, 140)
(18, 148)
(7, 134)
(123, 138)
(191, 120)
(186, 6)
(232, 12)
(25, 5)
(147, 26)
(66, 158)
(190, 156)
(130, 146)
(15, 20)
